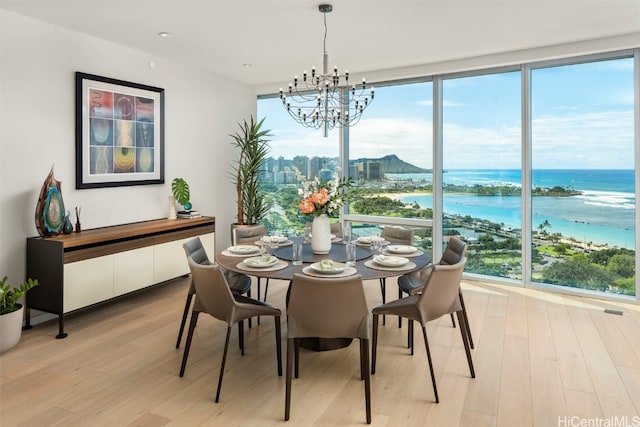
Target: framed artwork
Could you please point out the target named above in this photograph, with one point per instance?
(119, 133)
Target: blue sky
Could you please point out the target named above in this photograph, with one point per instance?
(582, 118)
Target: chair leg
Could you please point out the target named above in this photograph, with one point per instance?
(361, 361)
(410, 327)
(187, 346)
(383, 291)
(374, 344)
(241, 336)
(453, 321)
(287, 393)
(187, 304)
(249, 295)
(297, 357)
(466, 319)
(364, 362)
(278, 344)
(258, 297)
(266, 289)
(461, 321)
(399, 317)
(433, 377)
(224, 359)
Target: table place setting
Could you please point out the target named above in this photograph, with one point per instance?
(262, 263)
(328, 268)
(370, 241)
(391, 263)
(273, 240)
(242, 251)
(404, 250)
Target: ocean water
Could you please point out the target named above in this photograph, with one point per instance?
(603, 214)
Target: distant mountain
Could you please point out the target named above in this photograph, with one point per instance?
(392, 164)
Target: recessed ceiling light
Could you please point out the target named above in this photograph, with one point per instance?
(164, 34)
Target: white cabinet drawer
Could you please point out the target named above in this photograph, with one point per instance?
(132, 270)
(87, 282)
(170, 261)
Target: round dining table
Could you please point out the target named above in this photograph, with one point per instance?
(234, 262)
(284, 270)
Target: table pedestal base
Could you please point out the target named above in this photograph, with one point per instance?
(324, 344)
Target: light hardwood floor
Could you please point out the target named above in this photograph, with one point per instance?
(540, 359)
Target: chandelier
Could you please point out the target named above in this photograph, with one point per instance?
(324, 100)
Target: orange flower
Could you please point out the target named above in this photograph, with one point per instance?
(320, 197)
(306, 206)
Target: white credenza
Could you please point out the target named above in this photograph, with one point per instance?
(82, 269)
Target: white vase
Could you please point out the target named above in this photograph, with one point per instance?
(321, 235)
(172, 208)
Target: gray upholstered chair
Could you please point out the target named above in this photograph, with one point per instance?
(440, 297)
(327, 308)
(214, 297)
(397, 236)
(238, 283)
(336, 229)
(414, 283)
(248, 235)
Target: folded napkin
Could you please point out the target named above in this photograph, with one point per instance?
(390, 260)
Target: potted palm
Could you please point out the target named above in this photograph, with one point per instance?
(253, 147)
(11, 312)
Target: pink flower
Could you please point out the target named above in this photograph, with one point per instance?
(320, 197)
(306, 206)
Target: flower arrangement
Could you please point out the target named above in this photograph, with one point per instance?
(322, 197)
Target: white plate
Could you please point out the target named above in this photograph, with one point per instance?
(401, 249)
(390, 261)
(326, 268)
(261, 262)
(243, 249)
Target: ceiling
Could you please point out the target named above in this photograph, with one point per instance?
(261, 42)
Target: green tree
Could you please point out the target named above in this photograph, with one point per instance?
(578, 271)
(622, 265)
(543, 227)
(562, 248)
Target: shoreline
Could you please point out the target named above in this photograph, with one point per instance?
(584, 243)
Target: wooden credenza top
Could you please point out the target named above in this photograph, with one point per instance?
(126, 231)
(100, 241)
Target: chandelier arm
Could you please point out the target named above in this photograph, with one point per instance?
(320, 100)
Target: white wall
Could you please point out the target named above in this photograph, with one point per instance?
(37, 129)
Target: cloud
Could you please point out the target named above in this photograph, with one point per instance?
(599, 140)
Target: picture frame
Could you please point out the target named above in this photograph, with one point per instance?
(119, 133)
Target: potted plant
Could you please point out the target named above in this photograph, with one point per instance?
(254, 147)
(181, 193)
(11, 312)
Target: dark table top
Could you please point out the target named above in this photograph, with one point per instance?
(337, 254)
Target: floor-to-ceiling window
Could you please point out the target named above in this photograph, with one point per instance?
(583, 192)
(294, 151)
(482, 169)
(576, 156)
(391, 159)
